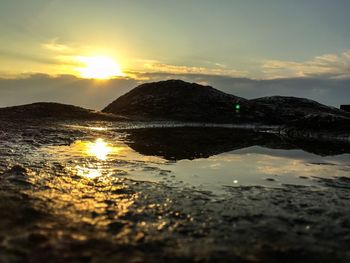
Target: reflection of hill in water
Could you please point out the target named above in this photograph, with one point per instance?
(192, 143)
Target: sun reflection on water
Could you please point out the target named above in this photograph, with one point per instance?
(98, 128)
(90, 159)
(91, 173)
(100, 149)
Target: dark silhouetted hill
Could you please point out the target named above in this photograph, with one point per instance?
(183, 101)
(293, 108)
(50, 110)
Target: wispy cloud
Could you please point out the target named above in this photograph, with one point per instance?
(329, 65)
(20, 56)
(67, 55)
(324, 66)
(219, 70)
(50, 57)
(54, 45)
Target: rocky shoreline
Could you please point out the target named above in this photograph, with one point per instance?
(53, 214)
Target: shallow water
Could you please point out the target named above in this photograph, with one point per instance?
(113, 151)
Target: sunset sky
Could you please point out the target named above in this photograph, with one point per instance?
(55, 50)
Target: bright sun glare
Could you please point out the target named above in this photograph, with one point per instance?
(99, 149)
(100, 67)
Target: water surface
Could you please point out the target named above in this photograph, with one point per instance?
(205, 159)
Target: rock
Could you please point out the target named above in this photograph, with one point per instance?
(345, 108)
(287, 109)
(18, 170)
(48, 110)
(321, 126)
(182, 101)
(17, 175)
(323, 121)
(115, 227)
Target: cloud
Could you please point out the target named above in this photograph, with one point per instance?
(324, 66)
(220, 70)
(329, 65)
(52, 58)
(27, 57)
(68, 56)
(54, 46)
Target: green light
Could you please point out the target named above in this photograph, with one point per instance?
(238, 106)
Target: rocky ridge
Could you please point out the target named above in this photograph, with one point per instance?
(182, 101)
(56, 111)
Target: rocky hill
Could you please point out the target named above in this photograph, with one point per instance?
(287, 109)
(183, 101)
(48, 110)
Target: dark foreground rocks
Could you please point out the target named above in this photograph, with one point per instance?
(49, 213)
(120, 220)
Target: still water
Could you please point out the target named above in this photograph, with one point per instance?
(204, 159)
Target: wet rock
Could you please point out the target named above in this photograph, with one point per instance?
(37, 238)
(320, 126)
(270, 179)
(341, 182)
(115, 227)
(17, 175)
(18, 170)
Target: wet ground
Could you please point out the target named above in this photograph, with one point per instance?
(103, 192)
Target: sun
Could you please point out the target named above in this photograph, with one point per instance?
(99, 67)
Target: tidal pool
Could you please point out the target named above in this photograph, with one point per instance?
(205, 159)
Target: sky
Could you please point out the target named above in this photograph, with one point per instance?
(58, 50)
